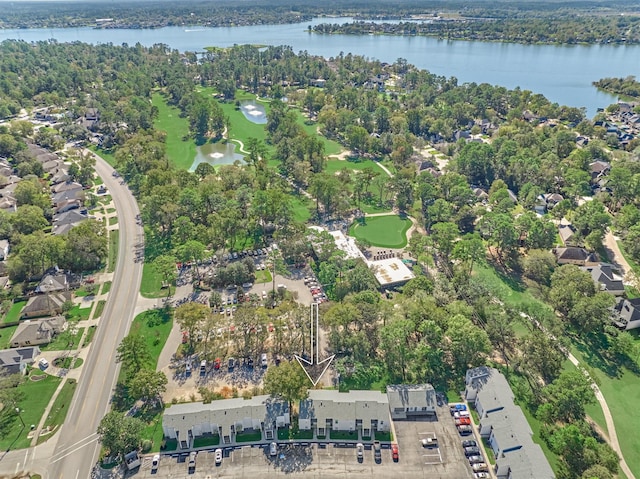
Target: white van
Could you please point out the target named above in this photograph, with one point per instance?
(459, 414)
(43, 364)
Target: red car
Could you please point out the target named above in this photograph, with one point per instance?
(463, 421)
(185, 337)
(394, 452)
(216, 363)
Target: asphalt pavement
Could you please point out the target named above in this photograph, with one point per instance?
(77, 448)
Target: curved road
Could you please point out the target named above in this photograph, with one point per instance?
(77, 448)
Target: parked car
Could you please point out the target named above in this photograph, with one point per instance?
(394, 452)
(459, 414)
(155, 462)
(43, 364)
(192, 462)
(471, 451)
(360, 451)
(377, 452)
(185, 337)
(463, 421)
(480, 467)
(273, 449)
(469, 443)
(465, 430)
(231, 364)
(457, 408)
(481, 475)
(203, 367)
(187, 369)
(218, 456)
(430, 442)
(475, 459)
(216, 363)
(263, 360)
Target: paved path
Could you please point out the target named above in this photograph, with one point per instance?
(611, 427)
(615, 255)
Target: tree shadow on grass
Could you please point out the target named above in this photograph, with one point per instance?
(595, 350)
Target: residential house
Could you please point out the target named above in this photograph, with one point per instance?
(604, 276)
(599, 168)
(4, 249)
(567, 233)
(319, 82)
(53, 282)
(8, 204)
(15, 361)
(51, 166)
(61, 175)
(546, 202)
(45, 305)
(504, 426)
(481, 194)
(66, 186)
(67, 205)
(411, 400)
(360, 412)
(626, 314)
(226, 418)
(574, 255)
(64, 222)
(37, 332)
(68, 195)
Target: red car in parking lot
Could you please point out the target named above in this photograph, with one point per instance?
(394, 452)
(463, 421)
(216, 363)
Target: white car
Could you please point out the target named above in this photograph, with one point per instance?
(155, 462)
(218, 455)
(481, 475)
(43, 363)
(263, 360)
(273, 449)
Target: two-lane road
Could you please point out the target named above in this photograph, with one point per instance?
(77, 448)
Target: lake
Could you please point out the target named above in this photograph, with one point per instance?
(561, 73)
(216, 154)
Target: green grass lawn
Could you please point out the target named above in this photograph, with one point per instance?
(205, 441)
(252, 436)
(153, 432)
(343, 435)
(383, 231)
(113, 220)
(60, 407)
(106, 287)
(302, 207)
(334, 165)
(620, 392)
(79, 314)
(151, 285)
(37, 395)
(330, 147)
(89, 336)
(181, 148)
(5, 336)
(263, 276)
(114, 241)
(99, 308)
(14, 313)
(154, 326)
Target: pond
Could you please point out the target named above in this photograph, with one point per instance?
(216, 154)
(254, 112)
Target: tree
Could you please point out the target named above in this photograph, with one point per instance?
(133, 353)
(538, 265)
(287, 381)
(28, 219)
(10, 397)
(86, 246)
(190, 316)
(541, 357)
(165, 266)
(120, 434)
(444, 236)
(568, 284)
(148, 386)
(566, 397)
(591, 313)
(468, 344)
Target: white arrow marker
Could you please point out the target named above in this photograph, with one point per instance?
(309, 364)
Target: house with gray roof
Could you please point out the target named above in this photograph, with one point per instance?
(66, 186)
(15, 361)
(605, 278)
(626, 314)
(504, 426)
(45, 305)
(4, 249)
(64, 222)
(361, 412)
(411, 400)
(53, 282)
(567, 233)
(38, 331)
(226, 418)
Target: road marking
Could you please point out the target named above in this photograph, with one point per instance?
(76, 449)
(77, 473)
(17, 467)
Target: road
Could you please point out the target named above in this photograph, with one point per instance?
(77, 448)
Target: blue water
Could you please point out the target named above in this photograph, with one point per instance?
(562, 73)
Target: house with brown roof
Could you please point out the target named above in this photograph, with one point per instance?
(575, 255)
(45, 305)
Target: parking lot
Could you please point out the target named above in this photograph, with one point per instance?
(332, 460)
